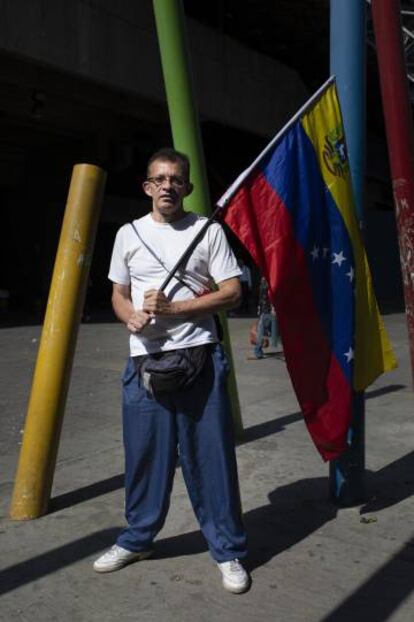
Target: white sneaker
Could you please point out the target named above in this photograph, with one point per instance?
(235, 578)
(117, 558)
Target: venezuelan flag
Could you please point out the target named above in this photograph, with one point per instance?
(293, 210)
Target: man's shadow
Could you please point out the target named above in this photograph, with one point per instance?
(297, 510)
(293, 513)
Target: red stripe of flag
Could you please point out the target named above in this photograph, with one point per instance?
(258, 217)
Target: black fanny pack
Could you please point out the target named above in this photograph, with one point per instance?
(171, 370)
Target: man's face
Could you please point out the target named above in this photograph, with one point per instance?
(167, 186)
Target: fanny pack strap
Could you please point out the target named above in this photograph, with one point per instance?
(160, 261)
(219, 328)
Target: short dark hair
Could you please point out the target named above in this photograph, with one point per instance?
(166, 154)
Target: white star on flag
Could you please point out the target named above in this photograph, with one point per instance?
(350, 274)
(315, 252)
(349, 355)
(338, 258)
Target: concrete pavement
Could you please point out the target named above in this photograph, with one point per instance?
(310, 561)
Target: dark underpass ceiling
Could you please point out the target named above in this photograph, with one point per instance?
(295, 32)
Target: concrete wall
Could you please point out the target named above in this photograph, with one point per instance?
(115, 44)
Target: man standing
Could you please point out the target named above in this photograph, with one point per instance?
(197, 417)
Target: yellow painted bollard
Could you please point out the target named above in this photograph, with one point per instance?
(44, 418)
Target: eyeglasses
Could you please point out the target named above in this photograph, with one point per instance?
(175, 180)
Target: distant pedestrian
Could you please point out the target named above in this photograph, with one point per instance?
(266, 323)
(246, 285)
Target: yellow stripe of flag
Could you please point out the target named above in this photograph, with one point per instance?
(324, 127)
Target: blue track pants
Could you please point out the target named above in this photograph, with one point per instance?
(198, 421)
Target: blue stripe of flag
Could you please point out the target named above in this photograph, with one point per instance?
(293, 172)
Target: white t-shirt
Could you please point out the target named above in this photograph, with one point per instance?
(134, 264)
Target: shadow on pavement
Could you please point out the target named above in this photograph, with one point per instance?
(91, 491)
(274, 426)
(382, 593)
(191, 543)
(42, 565)
(250, 434)
(294, 512)
(268, 427)
(390, 485)
(68, 499)
(384, 390)
(271, 529)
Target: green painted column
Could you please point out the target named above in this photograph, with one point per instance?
(185, 128)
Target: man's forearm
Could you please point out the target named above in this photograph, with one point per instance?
(209, 303)
(134, 320)
(123, 308)
(226, 297)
